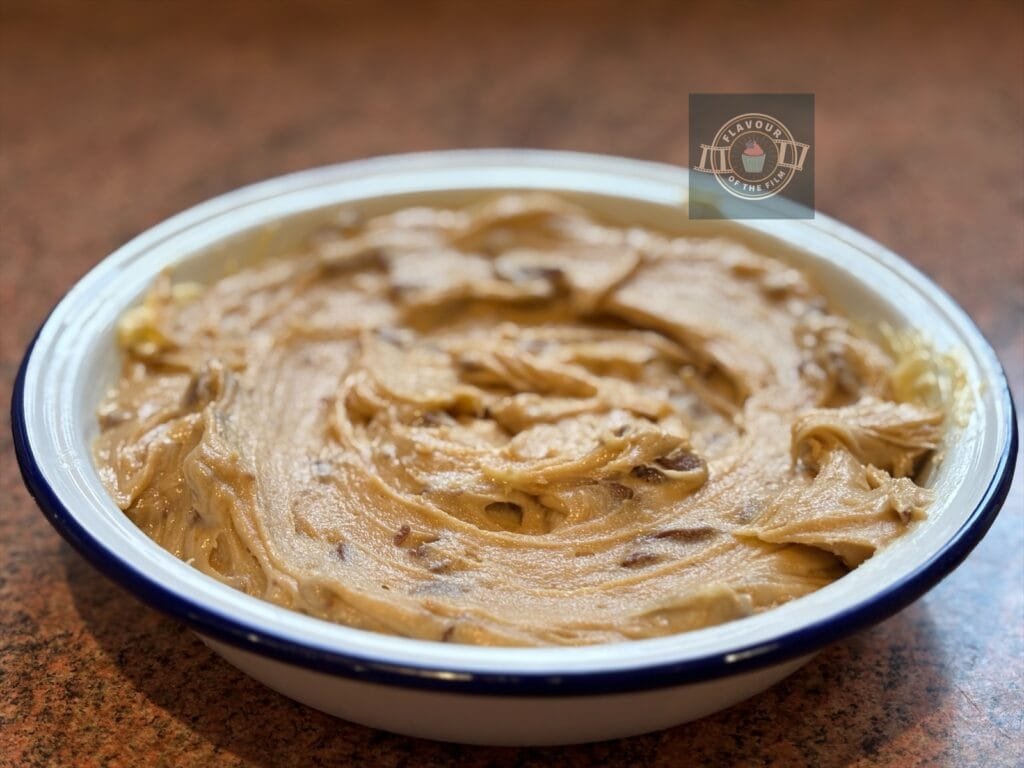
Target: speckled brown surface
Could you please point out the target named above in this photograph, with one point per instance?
(115, 115)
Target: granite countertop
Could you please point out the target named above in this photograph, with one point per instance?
(115, 115)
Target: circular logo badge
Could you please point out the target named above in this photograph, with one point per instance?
(755, 156)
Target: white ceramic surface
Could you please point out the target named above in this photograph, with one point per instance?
(495, 695)
(506, 720)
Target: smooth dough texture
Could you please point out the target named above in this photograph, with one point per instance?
(511, 424)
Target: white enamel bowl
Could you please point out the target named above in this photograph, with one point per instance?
(495, 695)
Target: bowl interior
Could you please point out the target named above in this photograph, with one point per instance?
(75, 359)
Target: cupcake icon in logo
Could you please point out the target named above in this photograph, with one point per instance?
(753, 157)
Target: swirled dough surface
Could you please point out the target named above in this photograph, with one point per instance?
(511, 424)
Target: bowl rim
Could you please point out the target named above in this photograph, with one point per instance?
(787, 646)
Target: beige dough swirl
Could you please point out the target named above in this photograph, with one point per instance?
(511, 424)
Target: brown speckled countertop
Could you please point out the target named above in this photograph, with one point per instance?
(114, 115)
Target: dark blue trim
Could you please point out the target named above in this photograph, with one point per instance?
(780, 649)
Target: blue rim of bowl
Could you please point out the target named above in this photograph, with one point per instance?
(779, 650)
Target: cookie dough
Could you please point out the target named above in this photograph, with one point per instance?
(511, 424)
